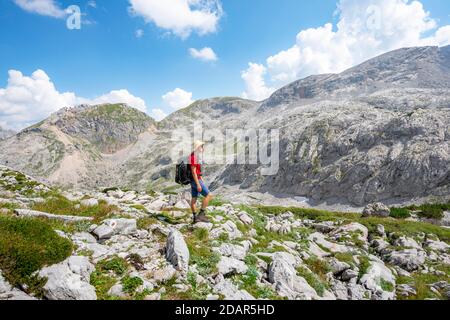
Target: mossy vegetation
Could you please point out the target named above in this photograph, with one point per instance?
(313, 280)
(400, 213)
(431, 211)
(27, 245)
(408, 228)
(422, 284)
(201, 253)
(60, 205)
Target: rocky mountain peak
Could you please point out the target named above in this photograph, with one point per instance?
(109, 127)
(418, 67)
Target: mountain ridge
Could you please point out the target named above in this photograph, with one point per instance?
(344, 137)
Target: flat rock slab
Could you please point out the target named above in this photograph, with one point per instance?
(39, 214)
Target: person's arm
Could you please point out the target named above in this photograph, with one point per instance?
(194, 175)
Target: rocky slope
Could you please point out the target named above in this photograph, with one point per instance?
(5, 133)
(133, 245)
(376, 132)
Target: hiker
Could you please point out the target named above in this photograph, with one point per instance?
(197, 184)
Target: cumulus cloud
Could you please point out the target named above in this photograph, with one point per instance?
(121, 96)
(43, 7)
(178, 99)
(158, 114)
(205, 54)
(256, 88)
(29, 99)
(366, 28)
(181, 17)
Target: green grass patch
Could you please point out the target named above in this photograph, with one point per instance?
(364, 265)
(202, 255)
(408, 228)
(431, 210)
(27, 245)
(60, 205)
(102, 283)
(130, 284)
(115, 264)
(313, 280)
(400, 213)
(387, 286)
(201, 234)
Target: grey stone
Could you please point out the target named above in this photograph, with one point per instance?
(69, 280)
(177, 251)
(229, 265)
(408, 259)
(376, 210)
(38, 214)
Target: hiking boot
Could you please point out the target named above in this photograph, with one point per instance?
(201, 217)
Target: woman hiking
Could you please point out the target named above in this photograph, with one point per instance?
(197, 184)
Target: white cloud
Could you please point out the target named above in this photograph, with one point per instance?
(178, 99)
(181, 17)
(121, 96)
(92, 4)
(256, 88)
(158, 114)
(366, 28)
(42, 7)
(29, 99)
(205, 54)
(139, 33)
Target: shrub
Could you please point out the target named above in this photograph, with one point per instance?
(131, 284)
(400, 213)
(115, 264)
(27, 245)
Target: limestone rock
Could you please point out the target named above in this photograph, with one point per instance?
(177, 251)
(69, 280)
(376, 210)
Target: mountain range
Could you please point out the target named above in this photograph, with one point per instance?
(379, 131)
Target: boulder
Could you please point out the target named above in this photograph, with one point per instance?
(117, 291)
(287, 283)
(439, 246)
(7, 292)
(113, 227)
(379, 280)
(408, 259)
(320, 239)
(229, 265)
(376, 210)
(69, 280)
(232, 250)
(163, 275)
(245, 218)
(406, 242)
(177, 251)
(230, 228)
(229, 291)
(337, 267)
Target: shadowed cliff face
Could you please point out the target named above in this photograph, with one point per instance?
(376, 132)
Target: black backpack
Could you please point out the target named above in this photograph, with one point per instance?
(183, 174)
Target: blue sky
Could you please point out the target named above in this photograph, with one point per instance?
(106, 54)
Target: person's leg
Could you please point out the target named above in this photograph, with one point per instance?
(194, 205)
(206, 201)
